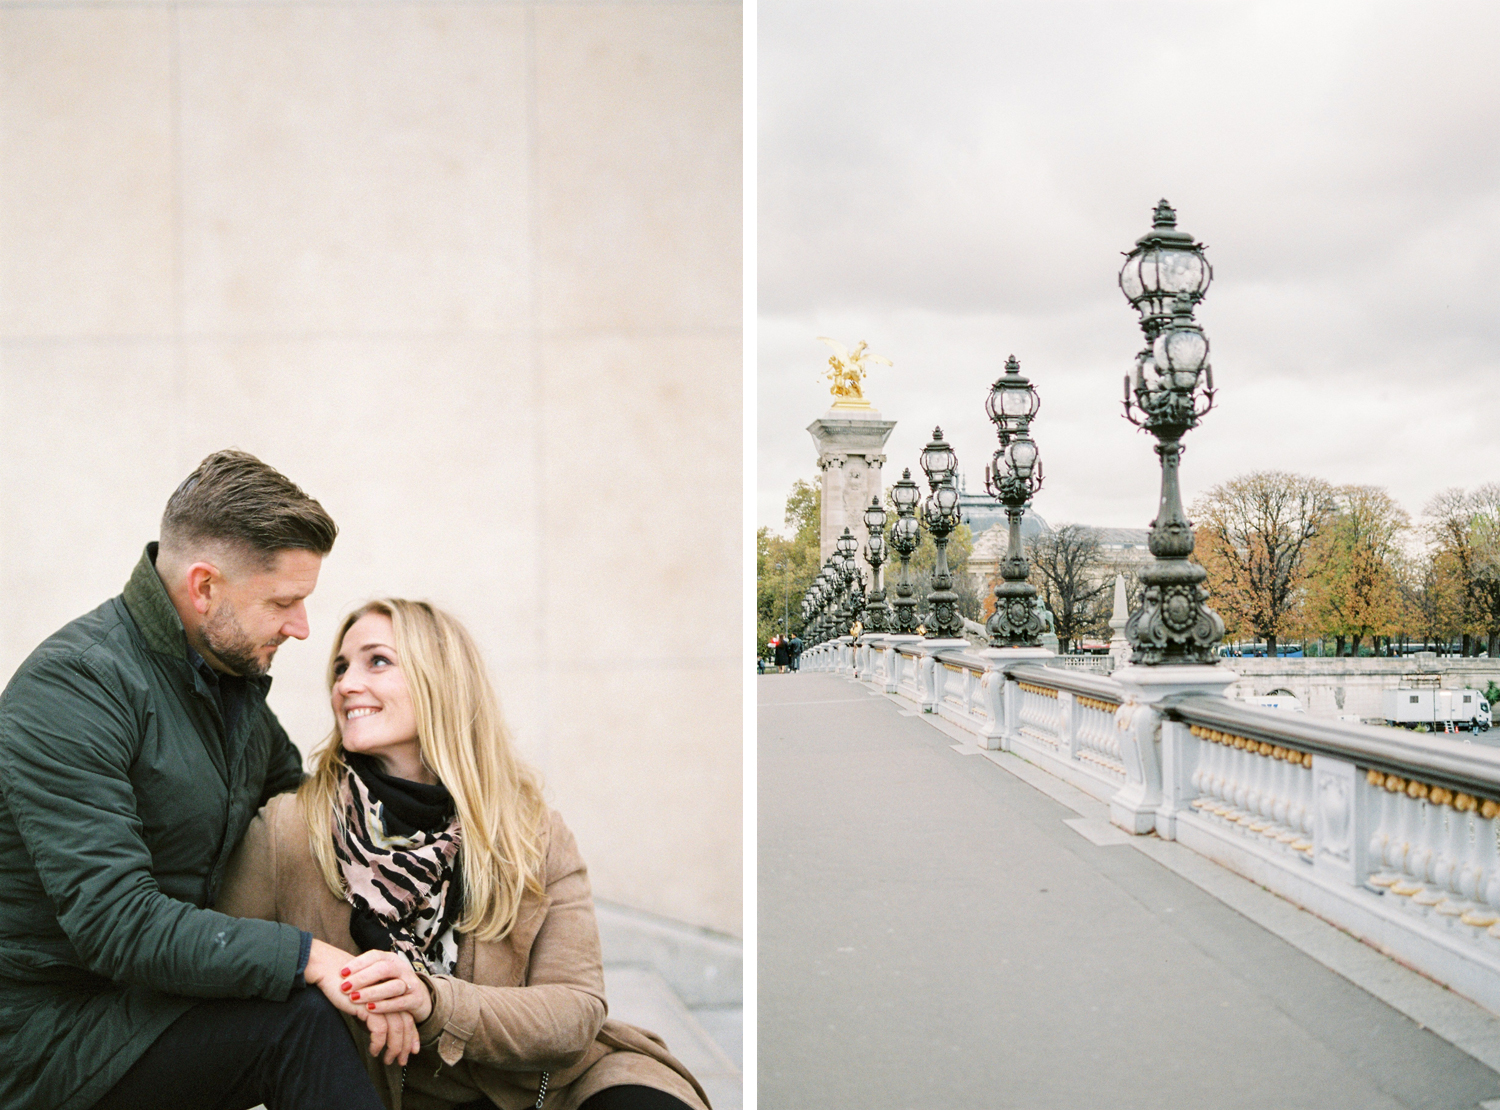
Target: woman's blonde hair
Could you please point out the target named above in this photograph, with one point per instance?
(465, 743)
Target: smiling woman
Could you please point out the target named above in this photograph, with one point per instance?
(422, 842)
(372, 702)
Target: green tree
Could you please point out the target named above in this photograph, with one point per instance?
(785, 567)
(924, 562)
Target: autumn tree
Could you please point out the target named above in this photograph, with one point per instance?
(1254, 536)
(1072, 579)
(1354, 589)
(1422, 597)
(1464, 529)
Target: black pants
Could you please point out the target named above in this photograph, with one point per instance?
(233, 1053)
(632, 1098)
(628, 1097)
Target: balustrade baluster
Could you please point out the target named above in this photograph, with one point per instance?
(1403, 834)
(1254, 787)
(1241, 796)
(1486, 889)
(1461, 854)
(1301, 810)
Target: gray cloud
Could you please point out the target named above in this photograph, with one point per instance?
(953, 182)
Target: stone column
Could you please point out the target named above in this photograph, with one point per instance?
(1149, 762)
(850, 440)
(1119, 646)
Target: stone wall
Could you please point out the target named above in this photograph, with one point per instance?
(470, 273)
(1339, 686)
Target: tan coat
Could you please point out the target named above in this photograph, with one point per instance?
(531, 1002)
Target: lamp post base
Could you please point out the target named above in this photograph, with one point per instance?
(1156, 778)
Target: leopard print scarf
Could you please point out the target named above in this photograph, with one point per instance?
(401, 879)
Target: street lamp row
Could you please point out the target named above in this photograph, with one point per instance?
(1164, 277)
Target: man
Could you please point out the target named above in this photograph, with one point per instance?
(135, 746)
(796, 651)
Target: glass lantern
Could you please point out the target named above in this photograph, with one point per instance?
(938, 460)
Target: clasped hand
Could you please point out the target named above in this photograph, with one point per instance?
(379, 988)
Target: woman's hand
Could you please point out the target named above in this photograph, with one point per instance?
(384, 983)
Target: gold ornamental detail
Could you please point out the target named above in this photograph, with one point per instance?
(1096, 703)
(1254, 747)
(1437, 795)
(846, 369)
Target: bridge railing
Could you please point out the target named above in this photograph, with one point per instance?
(1393, 836)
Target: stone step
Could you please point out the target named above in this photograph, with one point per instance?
(641, 996)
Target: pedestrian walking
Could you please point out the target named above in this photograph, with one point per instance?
(783, 654)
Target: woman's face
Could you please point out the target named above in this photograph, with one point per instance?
(372, 703)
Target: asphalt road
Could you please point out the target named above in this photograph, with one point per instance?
(931, 934)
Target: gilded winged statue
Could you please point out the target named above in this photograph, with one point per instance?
(846, 367)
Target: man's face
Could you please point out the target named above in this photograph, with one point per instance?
(256, 611)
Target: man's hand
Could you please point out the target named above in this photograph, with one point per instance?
(324, 962)
(384, 983)
(396, 1033)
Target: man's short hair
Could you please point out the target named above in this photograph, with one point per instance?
(233, 498)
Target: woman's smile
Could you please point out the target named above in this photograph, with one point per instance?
(372, 701)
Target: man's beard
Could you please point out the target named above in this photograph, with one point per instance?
(231, 645)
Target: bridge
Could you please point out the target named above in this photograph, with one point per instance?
(987, 881)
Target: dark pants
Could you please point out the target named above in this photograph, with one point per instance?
(632, 1098)
(233, 1053)
(629, 1097)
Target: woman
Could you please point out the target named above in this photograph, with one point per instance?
(421, 842)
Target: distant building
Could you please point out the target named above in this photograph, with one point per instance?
(1121, 549)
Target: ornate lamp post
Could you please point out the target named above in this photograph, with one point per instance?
(821, 596)
(1163, 278)
(786, 585)
(906, 533)
(940, 513)
(877, 616)
(1013, 478)
(847, 546)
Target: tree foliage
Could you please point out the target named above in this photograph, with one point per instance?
(1073, 580)
(924, 563)
(1355, 588)
(1254, 537)
(1464, 530)
(785, 568)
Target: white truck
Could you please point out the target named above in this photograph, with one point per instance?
(1439, 710)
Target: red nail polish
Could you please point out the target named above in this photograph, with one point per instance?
(371, 1005)
(354, 997)
(344, 986)
(345, 972)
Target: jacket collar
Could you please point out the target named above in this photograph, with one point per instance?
(154, 614)
(153, 611)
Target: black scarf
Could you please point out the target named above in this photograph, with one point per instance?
(405, 896)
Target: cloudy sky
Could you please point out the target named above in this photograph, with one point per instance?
(955, 182)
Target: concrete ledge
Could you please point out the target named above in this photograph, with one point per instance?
(703, 968)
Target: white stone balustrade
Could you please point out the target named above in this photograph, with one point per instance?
(1256, 787)
(1393, 836)
(1040, 714)
(1096, 737)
